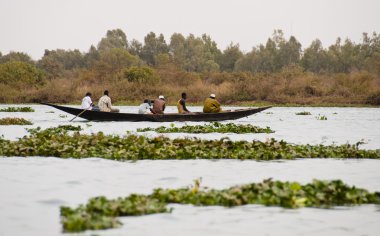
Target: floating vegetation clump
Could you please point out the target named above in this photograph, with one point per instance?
(101, 213)
(61, 129)
(58, 142)
(303, 113)
(14, 121)
(210, 128)
(17, 109)
(321, 117)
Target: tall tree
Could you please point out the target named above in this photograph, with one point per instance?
(153, 46)
(177, 49)
(114, 39)
(315, 58)
(91, 57)
(135, 48)
(229, 57)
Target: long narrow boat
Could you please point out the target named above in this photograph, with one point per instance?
(168, 117)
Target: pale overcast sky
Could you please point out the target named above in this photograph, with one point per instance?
(32, 26)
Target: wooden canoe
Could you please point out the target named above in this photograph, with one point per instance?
(168, 117)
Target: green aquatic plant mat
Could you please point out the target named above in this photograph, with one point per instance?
(321, 117)
(60, 142)
(213, 127)
(14, 121)
(17, 109)
(102, 213)
(303, 113)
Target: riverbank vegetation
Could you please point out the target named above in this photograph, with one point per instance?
(280, 71)
(213, 127)
(100, 212)
(14, 121)
(63, 143)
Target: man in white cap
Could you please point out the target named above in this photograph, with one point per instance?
(211, 105)
(159, 105)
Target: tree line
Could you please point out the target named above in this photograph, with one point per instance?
(201, 54)
(185, 60)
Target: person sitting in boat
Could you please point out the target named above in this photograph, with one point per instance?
(211, 105)
(159, 105)
(105, 103)
(144, 108)
(87, 103)
(181, 105)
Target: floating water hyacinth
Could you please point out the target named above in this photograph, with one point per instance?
(14, 121)
(303, 113)
(321, 117)
(101, 213)
(213, 127)
(17, 109)
(59, 142)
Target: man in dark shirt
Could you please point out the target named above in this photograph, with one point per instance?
(159, 105)
(181, 105)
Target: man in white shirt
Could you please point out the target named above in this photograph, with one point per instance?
(105, 103)
(144, 108)
(87, 102)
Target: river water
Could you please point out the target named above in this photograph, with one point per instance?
(32, 189)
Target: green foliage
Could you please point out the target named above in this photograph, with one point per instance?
(277, 72)
(114, 60)
(230, 56)
(16, 56)
(153, 46)
(55, 62)
(14, 121)
(195, 54)
(114, 39)
(139, 74)
(213, 127)
(276, 54)
(321, 117)
(101, 213)
(14, 72)
(17, 109)
(303, 113)
(58, 142)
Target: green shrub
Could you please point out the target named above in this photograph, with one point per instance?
(14, 72)
(139, 74)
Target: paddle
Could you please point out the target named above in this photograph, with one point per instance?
(79, 114)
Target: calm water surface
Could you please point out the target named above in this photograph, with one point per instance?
(33, 189)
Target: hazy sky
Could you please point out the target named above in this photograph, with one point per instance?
(32, 26)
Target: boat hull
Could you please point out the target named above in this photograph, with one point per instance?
(169, 117)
